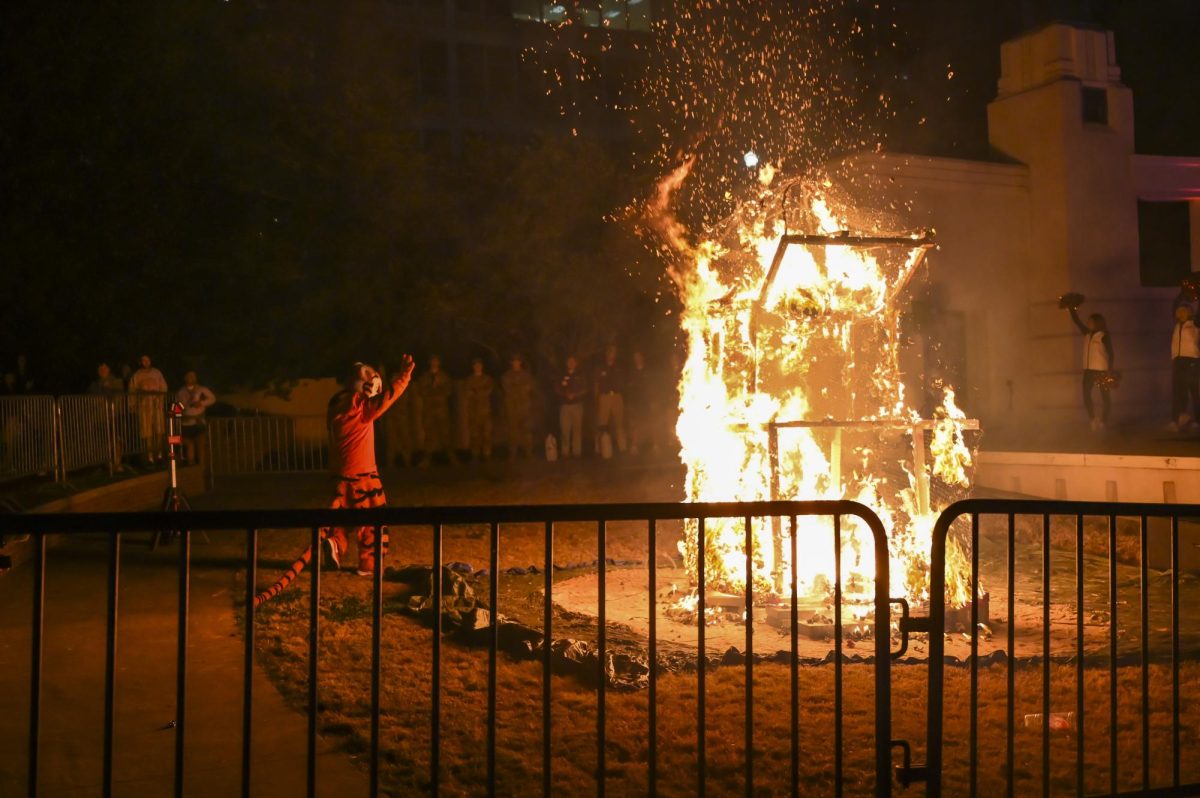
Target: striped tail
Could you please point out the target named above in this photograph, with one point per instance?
(289, 576)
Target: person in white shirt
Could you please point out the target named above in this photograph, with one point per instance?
(1097, 362)
(148, 389)
(195, 399)
(1185, 357)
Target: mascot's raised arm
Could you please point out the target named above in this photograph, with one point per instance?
(351, 417)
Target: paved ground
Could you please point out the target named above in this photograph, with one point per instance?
(1123, 437)
(144, 741)
(73, 678)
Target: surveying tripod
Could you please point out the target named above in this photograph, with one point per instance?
(173, 499)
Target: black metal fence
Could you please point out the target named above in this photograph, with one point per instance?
(116, 526)
(1075, 581)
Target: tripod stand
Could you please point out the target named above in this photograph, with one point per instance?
(173, 499)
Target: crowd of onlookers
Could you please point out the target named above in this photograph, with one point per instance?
(616, 407)
(151, 399)
(145, 399)
(612, 407)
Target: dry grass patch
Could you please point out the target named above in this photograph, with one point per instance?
(406, 714)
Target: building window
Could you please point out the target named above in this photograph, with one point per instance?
(1095, 106)
(529, 10)
(639, 15)
(618, 14)
(472, 74)
(554, 13)
(502, 73)
(434, 56)
(612, 14)
(1164, 243)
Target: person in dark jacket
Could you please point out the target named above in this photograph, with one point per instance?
(571, 390)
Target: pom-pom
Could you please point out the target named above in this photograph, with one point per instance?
(1070, 301)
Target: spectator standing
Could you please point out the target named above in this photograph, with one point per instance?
(195, 399)
(1098, 360)
(1185, 355)
(518, 406)
(435, 390)
(112, 388)
(399, 430)
(643, 411)
(571, 390)
(609, 387)
(25, 382)
(106, 383)
(149, 388)
(479, 388)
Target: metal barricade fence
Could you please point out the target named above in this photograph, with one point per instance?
(27, 436)
(86, 432)
(1063, 701)
(45, 435)
(760, 757)
(267, 444)
(143, 426)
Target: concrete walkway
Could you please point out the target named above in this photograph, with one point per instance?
(73, 682)
(144, 741)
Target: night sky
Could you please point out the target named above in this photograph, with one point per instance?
(240, 188)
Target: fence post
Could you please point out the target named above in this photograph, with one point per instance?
(209, 478)
(110, 426)
(58, 443)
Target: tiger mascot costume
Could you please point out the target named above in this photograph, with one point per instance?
(351, 418)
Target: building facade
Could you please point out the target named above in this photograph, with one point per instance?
(511, 69)
(1066, 205)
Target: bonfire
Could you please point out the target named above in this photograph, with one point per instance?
(792, 389)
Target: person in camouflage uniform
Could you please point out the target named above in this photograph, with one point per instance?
(518, 405)
(434, 390)
(478, 389)
(400, 430)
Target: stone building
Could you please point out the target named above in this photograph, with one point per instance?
(1066, 204)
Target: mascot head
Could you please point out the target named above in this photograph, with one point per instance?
(363, 377)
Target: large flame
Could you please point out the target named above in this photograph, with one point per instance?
(810, 359)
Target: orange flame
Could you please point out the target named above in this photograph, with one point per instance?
(811, 360)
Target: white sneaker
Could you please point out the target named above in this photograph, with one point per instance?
(1172, 427)
(1094, 425)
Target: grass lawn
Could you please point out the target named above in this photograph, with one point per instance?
(406, 702)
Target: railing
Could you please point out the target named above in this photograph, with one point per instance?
(55, 437)
(27, 436)
(1103, 638)
(134, 430)
(267, 444)
(436, 520)
(87, 432)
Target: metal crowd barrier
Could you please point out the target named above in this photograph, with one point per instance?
(267, 444)
(1112, 652)
(27, 436)
(86, 432)
(435, 519)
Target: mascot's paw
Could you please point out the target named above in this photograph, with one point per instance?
(1070, 301)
